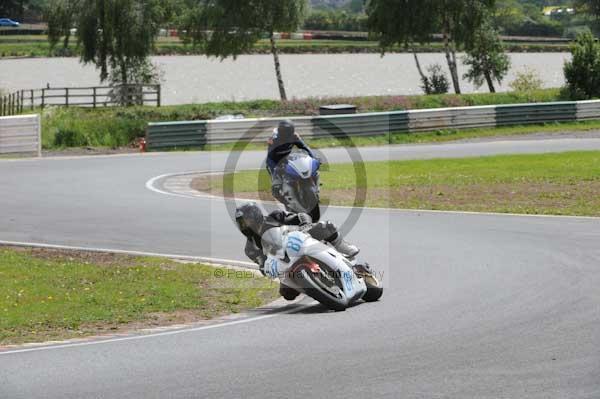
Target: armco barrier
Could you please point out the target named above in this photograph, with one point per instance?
(536, 113)
(20, 134)
(176, 134)
(187, 134)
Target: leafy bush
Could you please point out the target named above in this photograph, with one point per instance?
(582, 73)
(436, 82)
(526, 81)
(335, 21)
(486, 58)
(535, 28)
(65, 137)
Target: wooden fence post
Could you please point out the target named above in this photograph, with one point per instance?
(43, 98)
(32, 101)
(21, 101)
(158, 95)
(67, 97)
(94, 97)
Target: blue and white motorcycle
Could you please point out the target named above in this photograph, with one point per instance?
(316, 269)
(300, 184)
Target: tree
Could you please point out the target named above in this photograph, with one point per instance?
(8, 7)
(459, 21)
(19, 9)
(117, 34)
(582, 73)
(590, 6)
(402, 22)
(486, 58)
(356, 6)
(61, 15)
(236, 25)
(409, 21)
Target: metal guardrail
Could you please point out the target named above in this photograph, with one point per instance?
(20, 134)
(199, 133)
(177, 134)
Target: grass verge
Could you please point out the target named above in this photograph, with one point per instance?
(49, 294)
(556, 184)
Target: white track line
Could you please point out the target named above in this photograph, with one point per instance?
(151, 185)
(155, 335)
(98, 156)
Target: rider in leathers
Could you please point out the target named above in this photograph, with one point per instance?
(253, 224)
(281, 144)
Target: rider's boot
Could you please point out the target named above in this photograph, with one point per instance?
(288, 293)
(345, 248)
(363, 269)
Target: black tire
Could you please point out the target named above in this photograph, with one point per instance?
(374, 290)
(310, 200)
(315, 214)
(288, 293)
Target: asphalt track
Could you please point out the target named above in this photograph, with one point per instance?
(476, 306)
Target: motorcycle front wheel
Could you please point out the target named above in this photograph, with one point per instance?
(308, 196)
(331, 296)
(315, 214)
(374, 289)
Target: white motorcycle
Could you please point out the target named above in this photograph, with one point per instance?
(301, 186)
(316, 269)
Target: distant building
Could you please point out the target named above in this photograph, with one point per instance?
(558, 11)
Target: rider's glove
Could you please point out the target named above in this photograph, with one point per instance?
(305, 219)
(260, 261)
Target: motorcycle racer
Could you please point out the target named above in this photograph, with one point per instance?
(255, 226)
(281, 144)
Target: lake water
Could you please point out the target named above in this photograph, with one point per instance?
(190, 79)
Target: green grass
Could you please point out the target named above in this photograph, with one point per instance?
(564, 184)
(37, 46)
(54, 296)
